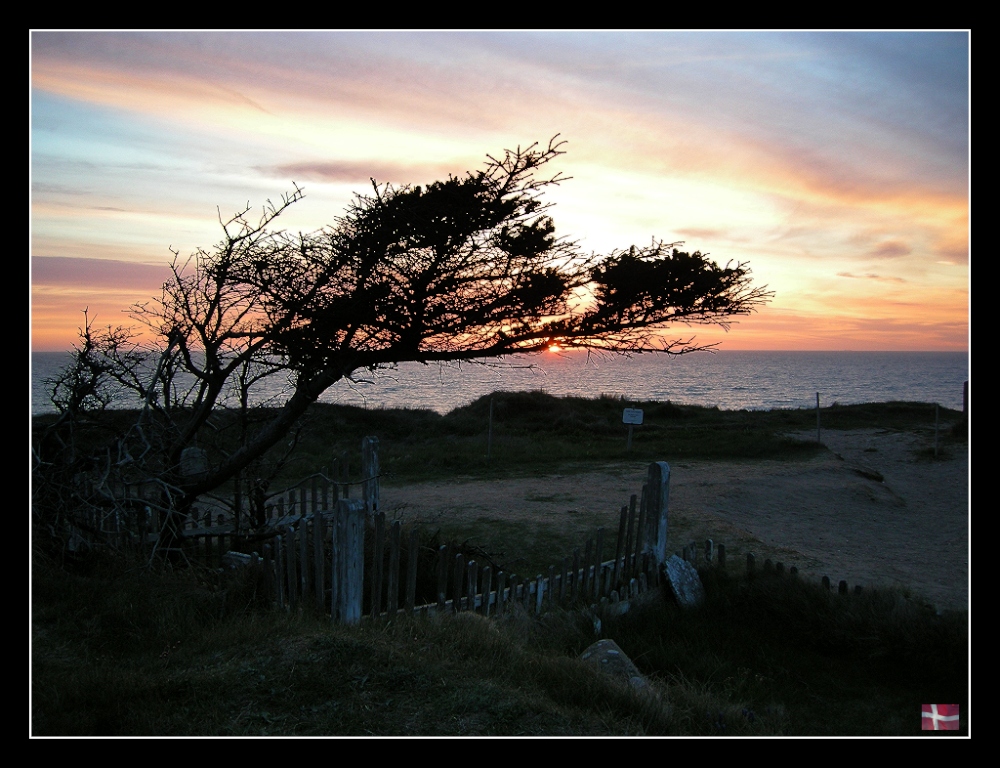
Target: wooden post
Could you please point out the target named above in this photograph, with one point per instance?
(348, 568)
(370, 473)
(658, 485)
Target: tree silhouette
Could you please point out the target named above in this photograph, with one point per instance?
(468, 268)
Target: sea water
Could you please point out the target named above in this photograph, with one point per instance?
(728, 379)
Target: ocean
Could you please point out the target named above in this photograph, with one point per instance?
(731, 380)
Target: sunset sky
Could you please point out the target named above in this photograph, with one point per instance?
(835, 163)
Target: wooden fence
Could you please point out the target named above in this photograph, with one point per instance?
(350, 561)
(715, 554)
(319, 547)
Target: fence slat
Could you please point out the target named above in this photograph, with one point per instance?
(442, 590)
(411, 570)
(640, 531)
(348, 550)
(598, 559)
(620, 545)
(456, 590)
(392, 602)
(292, 567)
(471, 572)
(377, 560)
(487, 586)
(304, 556)
(319, 561)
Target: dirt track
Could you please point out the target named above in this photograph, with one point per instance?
(870, 511)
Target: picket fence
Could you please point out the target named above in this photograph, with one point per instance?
(348, 560)
(318, 546)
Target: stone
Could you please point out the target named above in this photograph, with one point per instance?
(684, 581)
(606, 656)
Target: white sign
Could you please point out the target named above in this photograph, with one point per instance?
(632, 416)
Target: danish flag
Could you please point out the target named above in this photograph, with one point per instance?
(939, 717)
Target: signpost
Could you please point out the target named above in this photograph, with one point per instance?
(631, 416)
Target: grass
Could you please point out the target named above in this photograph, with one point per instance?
(181, 653)
(536, 433)
(127, 650)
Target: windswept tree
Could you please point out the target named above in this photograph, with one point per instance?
(468, 268)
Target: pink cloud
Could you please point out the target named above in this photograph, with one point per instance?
(117, 275)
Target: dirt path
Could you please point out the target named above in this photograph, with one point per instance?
(870, 511)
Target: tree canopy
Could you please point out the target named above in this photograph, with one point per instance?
(467, 268)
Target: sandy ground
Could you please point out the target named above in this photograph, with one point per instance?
(870, 510)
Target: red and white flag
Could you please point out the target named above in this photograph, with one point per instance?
(939, 717)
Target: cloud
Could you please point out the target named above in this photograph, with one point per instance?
(355, 171)
(871, 276)
(890, 249)
(76, 272)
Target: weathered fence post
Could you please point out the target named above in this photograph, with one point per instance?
(369, 473)
(348, 567)
(658, 499)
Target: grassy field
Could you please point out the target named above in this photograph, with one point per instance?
(119, 648)
(537, 433)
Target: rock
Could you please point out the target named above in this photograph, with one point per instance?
(684, 582)
(606, 656)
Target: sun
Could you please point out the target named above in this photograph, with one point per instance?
(554, 348)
